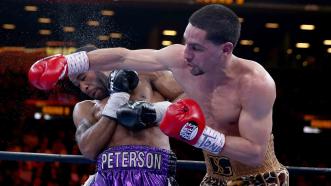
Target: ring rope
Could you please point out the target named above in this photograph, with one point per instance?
(181, 164)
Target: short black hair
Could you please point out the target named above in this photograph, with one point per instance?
(221, 23)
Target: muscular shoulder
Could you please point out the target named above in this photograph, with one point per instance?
(164, 83)
(175, 48)
(172, 55)
(152, 76)
(254, 75)
(256, 85)
(82, 110)
(84, 105)
(149, 76)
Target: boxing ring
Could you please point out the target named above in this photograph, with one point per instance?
(181, 164)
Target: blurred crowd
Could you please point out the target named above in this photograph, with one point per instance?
(299, 92)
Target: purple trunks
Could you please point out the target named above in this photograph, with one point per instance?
(135, 165)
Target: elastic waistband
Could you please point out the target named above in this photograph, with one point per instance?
(225, 168)
(138, 157)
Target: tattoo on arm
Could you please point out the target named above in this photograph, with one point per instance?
(82, 127)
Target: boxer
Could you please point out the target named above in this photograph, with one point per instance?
(235, 94)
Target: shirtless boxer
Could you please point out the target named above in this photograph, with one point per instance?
(139, 157)
(124, 156)
(236, 96)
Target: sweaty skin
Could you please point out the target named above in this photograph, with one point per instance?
(236, 95)
(96, 132)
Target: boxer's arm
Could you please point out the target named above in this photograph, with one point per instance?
(45, 73)
(167, 86)
(92, 135)
(140, 60)
(255, 123)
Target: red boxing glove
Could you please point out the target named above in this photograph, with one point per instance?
(184, 120)
(45, 73)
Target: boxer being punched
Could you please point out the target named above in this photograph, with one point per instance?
(236, 95)
(135, 154)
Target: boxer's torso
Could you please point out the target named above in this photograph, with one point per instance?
(151, 136)
(220, 99)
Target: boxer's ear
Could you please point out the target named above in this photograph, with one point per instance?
(227, 48)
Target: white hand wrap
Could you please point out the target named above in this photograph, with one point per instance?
(77, 63)
(211, 140)
(90, 180)
(160, 109)
(114, 102)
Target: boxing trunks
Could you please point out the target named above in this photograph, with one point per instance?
(135, 165)
(224, 171)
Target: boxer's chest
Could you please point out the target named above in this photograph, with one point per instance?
(224, 113)
(221, 108)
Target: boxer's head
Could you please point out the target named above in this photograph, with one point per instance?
(210, 37)
(92, 83)
(220, 23)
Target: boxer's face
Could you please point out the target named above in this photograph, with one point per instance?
(200, 54)
(92, 83)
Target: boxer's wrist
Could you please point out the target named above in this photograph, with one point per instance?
(77, 63)
(160, 109)
(114, 102)
(211, 140)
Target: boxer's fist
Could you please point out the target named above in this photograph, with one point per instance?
(136, 115)
(123, 81)
(184, 120)
(45, 73)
